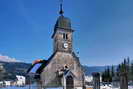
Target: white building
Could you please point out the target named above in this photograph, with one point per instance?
(88, 78)
(7, 83)
(20, 80)
(1, 83)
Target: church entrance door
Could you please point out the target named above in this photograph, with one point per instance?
(69, 82)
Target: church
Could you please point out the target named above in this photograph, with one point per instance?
(63, 68)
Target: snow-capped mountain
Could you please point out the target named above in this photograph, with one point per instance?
(4, 58)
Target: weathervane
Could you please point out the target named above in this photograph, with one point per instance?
(61, 7)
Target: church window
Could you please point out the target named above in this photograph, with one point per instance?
(65, 36)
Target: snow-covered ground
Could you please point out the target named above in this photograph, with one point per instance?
(109, 87)
(33, 87)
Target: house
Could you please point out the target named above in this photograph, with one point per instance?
(7, 83)
(89, 78)
(1, 83)
(20, 80)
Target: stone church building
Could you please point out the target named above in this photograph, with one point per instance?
(63, 68)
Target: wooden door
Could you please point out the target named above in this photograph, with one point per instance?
(69, 82)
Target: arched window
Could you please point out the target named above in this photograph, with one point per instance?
(65, 36)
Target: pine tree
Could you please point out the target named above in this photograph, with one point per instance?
(112, 71)
(108, 74)
(103, 77)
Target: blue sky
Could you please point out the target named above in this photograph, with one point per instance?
(103, 29)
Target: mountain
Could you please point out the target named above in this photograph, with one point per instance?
(20, 68)
(11, 69)
(4, 58)
(14, 66)
(91, 69)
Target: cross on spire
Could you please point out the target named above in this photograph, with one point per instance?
(61, 7)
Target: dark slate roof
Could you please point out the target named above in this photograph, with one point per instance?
(69, 73)
(44, 63)
(40, 64)
(62, 23)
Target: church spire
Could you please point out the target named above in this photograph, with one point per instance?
(61, 7)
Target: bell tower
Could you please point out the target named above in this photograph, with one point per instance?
(62, 36)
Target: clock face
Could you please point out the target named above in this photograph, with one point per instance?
(65, 45)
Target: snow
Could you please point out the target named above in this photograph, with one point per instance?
(110, 87)
(4, 58)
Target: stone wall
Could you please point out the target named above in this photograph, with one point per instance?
(49, 75)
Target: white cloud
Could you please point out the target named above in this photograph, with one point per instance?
(4, 58)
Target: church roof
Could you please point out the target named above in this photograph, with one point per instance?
(36, 68)
(44, 64)
(68, 73)
(63, 22)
